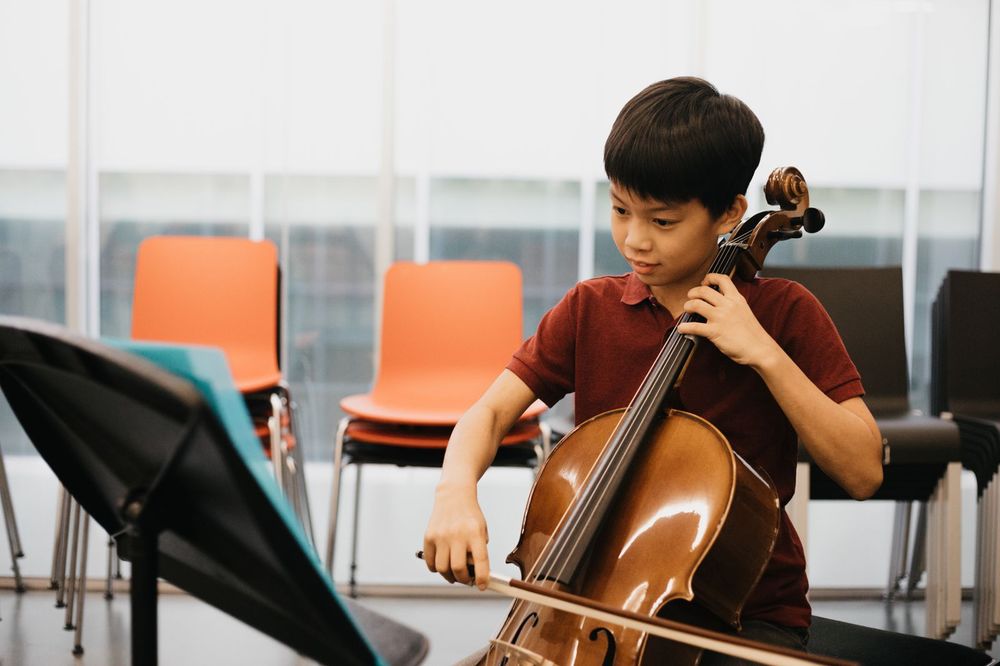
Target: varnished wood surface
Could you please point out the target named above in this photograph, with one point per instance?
(662, 534)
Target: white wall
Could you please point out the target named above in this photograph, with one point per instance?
(848, 541)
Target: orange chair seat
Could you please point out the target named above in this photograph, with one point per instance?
(255, 383)
(417, 412)
(426, 437)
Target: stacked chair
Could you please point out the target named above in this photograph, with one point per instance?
(225, 292)
(213, 291)
(921, 454)
(448, 329)
(965, 386)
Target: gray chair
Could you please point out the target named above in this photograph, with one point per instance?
(922, 461)
(965, 385)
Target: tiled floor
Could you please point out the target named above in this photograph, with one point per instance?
(192, 633)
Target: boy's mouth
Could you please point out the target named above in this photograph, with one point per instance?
(641, 267)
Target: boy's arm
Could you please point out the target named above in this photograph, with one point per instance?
(457, 526)
(842, 437)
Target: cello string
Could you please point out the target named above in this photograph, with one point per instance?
(610, 464)
(623, 441)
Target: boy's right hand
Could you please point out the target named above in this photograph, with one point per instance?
(457, 528)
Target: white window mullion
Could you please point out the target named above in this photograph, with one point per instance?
(82, 232)
(989, 244)
(422, 218)
(588, 224)
(911, 201)
(386, 187)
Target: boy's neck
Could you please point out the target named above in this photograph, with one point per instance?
(673, 297)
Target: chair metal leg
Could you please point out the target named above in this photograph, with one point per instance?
(109, 590)
(292, 477)
(71, 579)
(293, 466)
(300, 465)
(57, 538)
(539, 457)
(918, 554)
(274, 429)
(82, 586)
(8, 511)
(300, 501)
(331, 530)
(546, 440)
(987, 620)
(798, 506)
(13, 538)
(542, 447)
(62, 547)
(951, 537)
(900, 545)
(354, 531)
(992, 497)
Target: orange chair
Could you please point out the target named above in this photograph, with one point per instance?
(224, 292)
(448, 328)
(220, 292)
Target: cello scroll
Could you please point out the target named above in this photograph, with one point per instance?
(787, 189)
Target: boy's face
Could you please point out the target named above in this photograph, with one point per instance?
(668, 245)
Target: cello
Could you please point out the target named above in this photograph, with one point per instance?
(648, 508)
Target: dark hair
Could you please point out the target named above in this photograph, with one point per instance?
(680, 139)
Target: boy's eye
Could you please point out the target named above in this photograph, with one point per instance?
(662, 223)
(619, 210)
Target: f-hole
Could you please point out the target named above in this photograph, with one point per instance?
(609, 655)
(533, 615)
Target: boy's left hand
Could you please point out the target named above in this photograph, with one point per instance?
(729, 323)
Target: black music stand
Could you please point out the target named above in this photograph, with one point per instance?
(185, 489)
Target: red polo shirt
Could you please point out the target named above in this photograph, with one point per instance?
(600, 341)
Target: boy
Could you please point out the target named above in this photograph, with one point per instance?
(680, 157)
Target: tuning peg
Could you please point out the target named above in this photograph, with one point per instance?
(782, 234)
(813, 220)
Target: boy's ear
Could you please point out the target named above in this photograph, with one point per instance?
(732, 215)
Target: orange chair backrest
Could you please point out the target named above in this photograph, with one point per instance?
(218, 291)
(448, 329)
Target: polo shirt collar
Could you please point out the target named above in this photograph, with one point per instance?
(635, 291)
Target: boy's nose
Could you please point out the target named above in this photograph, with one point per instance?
(637, 239)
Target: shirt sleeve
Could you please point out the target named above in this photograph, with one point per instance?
(811, 339)
(546, 361)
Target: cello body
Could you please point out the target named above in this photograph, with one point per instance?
(707, 533)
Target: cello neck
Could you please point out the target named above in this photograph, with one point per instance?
(569, 545)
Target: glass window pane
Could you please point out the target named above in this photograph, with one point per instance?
(34, 80)
(137, 206)
(864, 227)
(607, 259)
(531, 223)
(325, 228)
